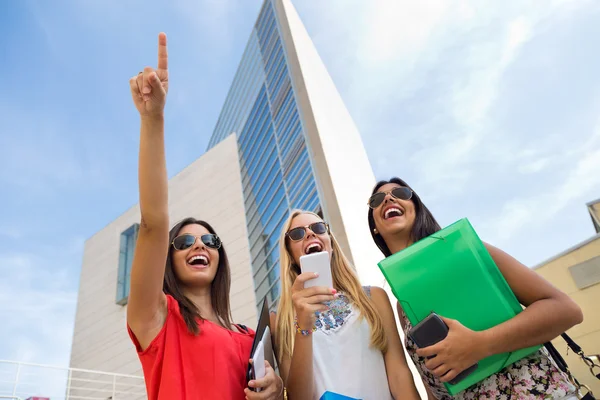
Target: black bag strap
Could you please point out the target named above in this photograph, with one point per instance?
(557, 357)
(563, 366)
(571, 343)
(594, 368)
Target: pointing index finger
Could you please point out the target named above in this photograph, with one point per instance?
(162, 51)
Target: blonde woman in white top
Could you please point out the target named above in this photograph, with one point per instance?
(342, 339)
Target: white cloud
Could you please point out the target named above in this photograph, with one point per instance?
(459, 50)
(485, 65)
(399, 31)
(581, 183)
(38, 294)
(453, 95)
(532, 167)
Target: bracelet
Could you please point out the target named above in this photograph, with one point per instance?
(303, 332)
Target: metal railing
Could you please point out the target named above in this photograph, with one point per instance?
(19, 381)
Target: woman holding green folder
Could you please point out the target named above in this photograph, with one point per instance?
(397, 219)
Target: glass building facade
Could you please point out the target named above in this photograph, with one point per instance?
(277, 174)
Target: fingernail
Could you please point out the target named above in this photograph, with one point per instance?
(251, 383)
(316, 274)
(336, 295)
(146, 90)
(333, 291)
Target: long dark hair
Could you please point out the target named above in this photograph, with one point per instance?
(219, 286)
(424, 225)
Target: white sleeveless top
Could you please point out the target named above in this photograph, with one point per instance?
(343, 361)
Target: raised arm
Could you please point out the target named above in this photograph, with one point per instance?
(147, 306)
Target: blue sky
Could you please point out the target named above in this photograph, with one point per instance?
(489, 109)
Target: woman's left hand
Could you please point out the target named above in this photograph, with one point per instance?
(461, 349)
(271, 385)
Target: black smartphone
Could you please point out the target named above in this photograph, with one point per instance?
(431, 331)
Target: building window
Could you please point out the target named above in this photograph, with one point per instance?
(126, 247)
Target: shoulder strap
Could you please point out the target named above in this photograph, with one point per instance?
(242, 328)
(562, 364)
(557, 357)
(571, 343)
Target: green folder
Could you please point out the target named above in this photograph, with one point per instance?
(452, 274)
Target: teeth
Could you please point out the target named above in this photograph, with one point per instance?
(312, 246)
(201, 258)
(389, 210)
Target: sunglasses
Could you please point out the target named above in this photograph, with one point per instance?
(401, 193)
(187, 240)
(318, 228)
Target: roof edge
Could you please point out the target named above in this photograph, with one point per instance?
(567, 251)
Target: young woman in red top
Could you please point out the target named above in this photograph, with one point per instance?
(178, 312)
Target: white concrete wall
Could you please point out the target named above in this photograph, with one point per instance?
(209, 189)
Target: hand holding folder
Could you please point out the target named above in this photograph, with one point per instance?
(452, 274)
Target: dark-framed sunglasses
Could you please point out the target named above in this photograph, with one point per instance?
(318, 228)
(401, 193)
(187, 240)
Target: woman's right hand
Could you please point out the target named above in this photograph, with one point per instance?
(307, 301)
(149, 88)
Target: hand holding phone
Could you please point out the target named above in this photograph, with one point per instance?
(431, 331)
(319, 263)
(310, 291)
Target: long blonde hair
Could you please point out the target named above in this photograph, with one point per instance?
(344, 279)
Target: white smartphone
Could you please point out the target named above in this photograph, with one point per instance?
(319, 263)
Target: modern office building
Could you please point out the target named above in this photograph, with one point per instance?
(576, 271)
(299, 147)
(284, 140)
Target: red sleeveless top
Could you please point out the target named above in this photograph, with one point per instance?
(178, 365)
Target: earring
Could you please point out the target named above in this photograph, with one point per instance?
(375, 231)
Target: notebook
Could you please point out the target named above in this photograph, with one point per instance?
(262, 344)
(452, 274)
